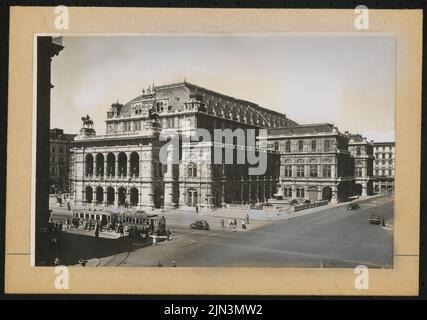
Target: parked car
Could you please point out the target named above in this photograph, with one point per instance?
(375, 219)
(294, 201)
(200, 225)
(353, 206)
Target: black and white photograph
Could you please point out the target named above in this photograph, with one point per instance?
(216, 150)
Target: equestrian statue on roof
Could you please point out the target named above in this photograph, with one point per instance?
(87, 122)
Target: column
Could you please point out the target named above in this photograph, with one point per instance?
(94, 197)
(242, 182)
(364, 189)
(333, 171)
(128, 164)
(116, 164)
(139, 197)
(222, 195)
(116, 198)
(105, 166)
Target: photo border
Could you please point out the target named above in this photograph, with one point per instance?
(401, 280)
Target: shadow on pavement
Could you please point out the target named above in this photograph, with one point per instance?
(70, 248)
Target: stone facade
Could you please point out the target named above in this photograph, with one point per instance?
(363, 152)
(133, 137)
(315, 162)
(59, 160)
(384, 166)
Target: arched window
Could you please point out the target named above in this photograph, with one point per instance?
(99, 165)
(89, 164)
(89, 194)
(134, 164)
(122, 158)
(327, 145)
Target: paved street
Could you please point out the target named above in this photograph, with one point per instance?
(330, 238)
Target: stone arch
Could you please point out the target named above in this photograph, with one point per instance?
(134, 164)
(99, 195)
(327, 193)
(89, 194)
(134, 196)
(99, 168)
(89, 164)
(110, 195)
(121, 195)
(111, 164)
(122, 159)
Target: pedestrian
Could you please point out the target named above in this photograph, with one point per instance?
(222, 223)
(173, 234)
(159, 264)
(230, 223)
(383, 221)
(235, 222)
(247, 218)
(154, 240)
(68, 205)
(243, 224)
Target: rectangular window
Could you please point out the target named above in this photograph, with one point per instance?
(192, 171)
(359, 172)
(300, 145)
(300, 170)
(313, 170)
(300, 193)
(288, 171)
(327, 171)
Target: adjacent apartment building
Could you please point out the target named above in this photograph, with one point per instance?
(59, 160)
(362, 151)
(384, 166)
(315, 163)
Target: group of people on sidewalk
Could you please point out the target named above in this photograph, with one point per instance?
(232, 223)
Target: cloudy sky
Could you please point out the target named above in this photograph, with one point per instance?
(344, 79)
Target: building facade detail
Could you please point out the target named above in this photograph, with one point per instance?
(384, 166)
(362, 151)
(315, 162)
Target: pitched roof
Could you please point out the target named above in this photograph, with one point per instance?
(303, 129)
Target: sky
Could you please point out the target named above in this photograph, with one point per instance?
(344, 79)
